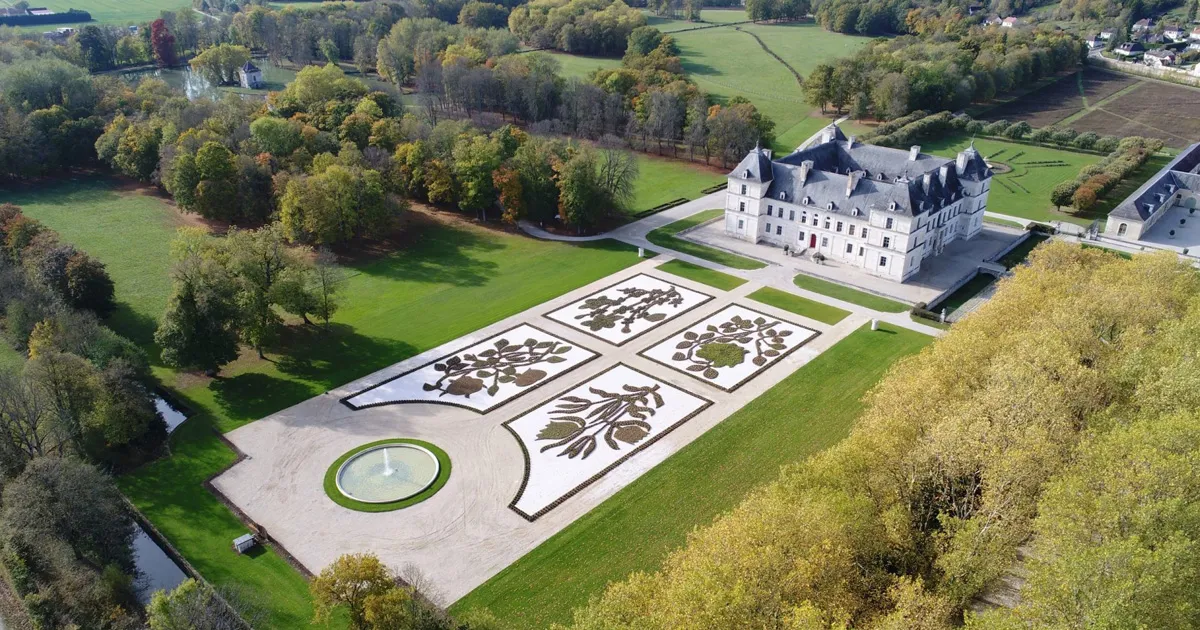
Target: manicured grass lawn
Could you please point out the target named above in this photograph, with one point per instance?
(579, 65)
(846, 294)
(1025, 192)
(112, 11)
(799, 305)
(665, 237)
(704, 275)
(461, 278)
(1004, 222)
(661, 180)
(807, 412)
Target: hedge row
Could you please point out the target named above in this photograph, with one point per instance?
(70, 16)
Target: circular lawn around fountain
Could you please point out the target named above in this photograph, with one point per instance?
(336, 495)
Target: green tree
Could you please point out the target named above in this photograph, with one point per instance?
(216, 192)
(476, 158)
(1062, 194)
(336, 205)
(199, 330)
(220, 64)
(259, 260)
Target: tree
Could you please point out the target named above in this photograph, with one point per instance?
(350, 581)
(483, 15)
(889, 97)
(199, 329)
(388, 610)
(88, 285)
(1083, 199)
(93, 46)
(335, 205)
(163, 44)
(220, 64)
(818, 86)
(259, 260)
(1062, 194)
(193, 606)
(476, 158)
(581, 201)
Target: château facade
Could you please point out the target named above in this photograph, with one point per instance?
(882, 210)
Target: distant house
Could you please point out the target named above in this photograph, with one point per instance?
(1149, 37)
(1130, 51)
(1195, 34)
(250, 76)
(1160, 58)
(1095, 42)
(1175, 33)
(133, 28)
(1009, 22)
(974, 8)
(1107, 34)
(1143, 24)
(993, 21)
(41, 11)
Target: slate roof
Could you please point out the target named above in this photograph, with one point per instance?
(890, 179)
(755, 167)
(1182, 172)
(250, 67)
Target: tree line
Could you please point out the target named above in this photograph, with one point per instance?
(81, 404)
(1060, 415)
(890, 78)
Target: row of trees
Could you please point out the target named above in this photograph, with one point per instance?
(890, 78)
(587, 27)
(1097, 180)
(1064, 410)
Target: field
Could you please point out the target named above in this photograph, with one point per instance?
(1110, 103)
(728, 62)
(665, 237)
(846, 294)
(704, 275)
(1063, 98)
(462, 276)
(807, 412)
(1154, 109)
(1024, 192)
(662, 179)
(111, 11)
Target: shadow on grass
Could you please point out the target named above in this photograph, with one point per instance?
(337, 355)
(441, 255)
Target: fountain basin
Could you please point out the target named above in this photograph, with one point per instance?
(387, 473)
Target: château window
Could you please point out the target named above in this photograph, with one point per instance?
(849, 248)
(887, 242)
(741, 206)
(882, 261)
(839, 226)
(864, 234)
(769, 210)
(778, 230)
(824, 241)
(743, 189)
(889, 223)
(861, 250)
(791, 215)
(851, 229)
(826, 224)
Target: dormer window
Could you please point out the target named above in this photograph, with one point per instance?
(829, 206)
(782, 195)
(747, 174)
(892, 206)
(855, 212)
(880, 177)
(807, 201)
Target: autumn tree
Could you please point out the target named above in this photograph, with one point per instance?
(349, 582)
(163, 44)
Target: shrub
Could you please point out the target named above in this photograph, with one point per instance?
(1087, 140)
(1084, 198)
(996, 128)
(1040, 135)
(1017, 130)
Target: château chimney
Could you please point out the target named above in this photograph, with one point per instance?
(850, 142)
(852, 182)
(914, 152)
(805, 167)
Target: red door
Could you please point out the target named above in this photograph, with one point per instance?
(812, 241)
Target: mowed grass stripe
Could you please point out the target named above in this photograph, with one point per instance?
(634, 530)
(846, 294)
(799, 305)
(665, 237)
(704, 275)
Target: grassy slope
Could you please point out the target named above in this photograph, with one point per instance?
(661, 180)
(665, 237)
(635, 529)
(846, 294)
(799, 305)
(443, 276)
(704, 275)
(1039, 181)
(9, 358)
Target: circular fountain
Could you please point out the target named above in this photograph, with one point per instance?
(387, 473)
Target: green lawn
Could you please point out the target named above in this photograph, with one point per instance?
(846, 294)
(704, 275)
(1020, 252)
(665, 237)
(634, 530)
(581, 66)
(1025, 192)
(443, 276)
(1004, 222)
(111, 11)
(799, 305)
(718, 60)
(964, 293)
(662, 179)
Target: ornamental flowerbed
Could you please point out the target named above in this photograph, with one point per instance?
(482, 376)
(730, 347)
(587, 431)
(629, 308)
